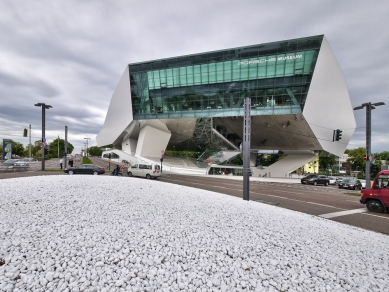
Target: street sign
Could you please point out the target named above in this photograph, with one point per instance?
(365, 157)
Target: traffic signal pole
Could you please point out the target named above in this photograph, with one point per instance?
(368, 143)
(369, 106)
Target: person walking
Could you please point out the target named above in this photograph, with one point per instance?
(60, 163)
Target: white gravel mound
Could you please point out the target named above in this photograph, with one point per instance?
(103, 233)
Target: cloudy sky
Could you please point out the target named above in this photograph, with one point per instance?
(71, 54)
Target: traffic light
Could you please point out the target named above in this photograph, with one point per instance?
(25, 133)
(338, 135)
(47, 149)
(373, 168)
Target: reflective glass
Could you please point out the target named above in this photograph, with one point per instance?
(274, 75)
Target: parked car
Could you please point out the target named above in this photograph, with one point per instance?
(350, 184)
(10, 162)
(363, 182)
(26, 161)
(85, 169)
(145, 170)
(316, 179)
(376, 198)
(332, 180)
(338, 180)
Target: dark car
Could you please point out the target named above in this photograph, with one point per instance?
(315, 179)
(85, 169)
(350, 184)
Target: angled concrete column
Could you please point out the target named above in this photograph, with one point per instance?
(151, 141)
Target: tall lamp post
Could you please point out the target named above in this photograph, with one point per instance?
(44, 107)
(369, 106)
(87, 146)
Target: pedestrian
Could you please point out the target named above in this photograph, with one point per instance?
(60, 163)
(71, 161)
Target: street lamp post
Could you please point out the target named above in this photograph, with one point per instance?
(369, 106)
(44, 107)
(87, 146)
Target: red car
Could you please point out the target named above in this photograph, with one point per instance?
(376, 198)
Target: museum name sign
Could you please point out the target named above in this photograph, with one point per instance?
(270, 60)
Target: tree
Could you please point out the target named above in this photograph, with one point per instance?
(326, 160)
(356, 157)
(95, 151)
(54, 147)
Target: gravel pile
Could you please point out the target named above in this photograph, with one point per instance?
(102, 233)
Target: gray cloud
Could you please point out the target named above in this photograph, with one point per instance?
(71, 54)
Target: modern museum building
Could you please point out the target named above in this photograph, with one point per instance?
(298, 94)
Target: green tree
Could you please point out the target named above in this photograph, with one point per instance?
(18, 149)
(355, 157)
(326, 160)
(53, 152)
(95, 151)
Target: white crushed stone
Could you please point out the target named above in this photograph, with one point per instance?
(103, 233)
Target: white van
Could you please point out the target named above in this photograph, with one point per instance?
(145, 170)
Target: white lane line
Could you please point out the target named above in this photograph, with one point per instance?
(343, 213)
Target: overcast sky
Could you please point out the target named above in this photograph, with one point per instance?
(71, 54)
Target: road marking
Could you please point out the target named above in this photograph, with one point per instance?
(343, 213)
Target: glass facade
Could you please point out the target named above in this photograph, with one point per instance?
(276, 76)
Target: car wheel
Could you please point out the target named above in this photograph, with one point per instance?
(71, 172)
(95, 173)
(148, 176)
(374, 206)
(326, 183)
(129, 173)
(315, 183)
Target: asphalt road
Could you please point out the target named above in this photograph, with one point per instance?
(326, 202)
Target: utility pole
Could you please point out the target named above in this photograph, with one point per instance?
(87, 146)
(246, 148)
(29, 143)
(369, 107)
(44, 107)
(66, 145)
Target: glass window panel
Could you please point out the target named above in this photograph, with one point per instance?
(197, 69)
(219, 67)
(183, 80)
(182, 71)
(212, 67)
(280, 69)
(212, 77)
(236, 74)
(204, 69)
(289, 68)
(244, 72)
(219, 76)
(271, 69)
(169, 82)
(227, 76)
(197, 79)
(189, 79)
(253, 71)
